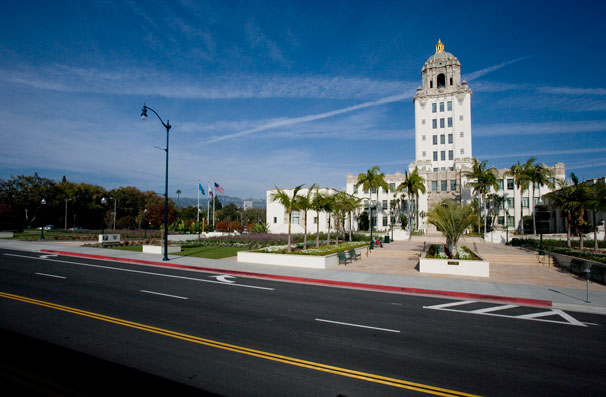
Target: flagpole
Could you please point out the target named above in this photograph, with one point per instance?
(208, 204)
(198, 213)
(214, 199)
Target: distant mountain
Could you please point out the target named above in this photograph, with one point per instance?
(188, 202)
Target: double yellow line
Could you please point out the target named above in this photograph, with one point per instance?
(250, 352)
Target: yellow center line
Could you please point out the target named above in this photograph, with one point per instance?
(248, 351)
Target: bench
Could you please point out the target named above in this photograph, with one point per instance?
(355, 255)
(576, 266)
(343, 258)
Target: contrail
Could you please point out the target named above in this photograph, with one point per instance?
(390, 99)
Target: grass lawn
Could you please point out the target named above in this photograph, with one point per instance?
(210, 252)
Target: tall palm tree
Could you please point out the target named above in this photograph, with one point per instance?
(178, 195)
(413, 184)
(451, 218)
(317, 204)
(289, 203)
(372, 179)
(517, 171)
(340, 210)
(353, 203)
(537, 175)
(483, 180)
(304, 204)
(581, 198)
(328, 206)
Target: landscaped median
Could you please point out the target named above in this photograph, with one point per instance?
(317, 258)
(467, 264)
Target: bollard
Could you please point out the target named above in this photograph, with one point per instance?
(588, 274)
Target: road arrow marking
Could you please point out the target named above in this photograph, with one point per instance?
(47, 256)
(222, 277)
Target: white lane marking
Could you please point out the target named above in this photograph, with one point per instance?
(46, 256)
(143, 272)
(357, 325)
(449, 304)
(569, 320)
(49, 275)
(158, 293)
(493, 309)
(223, 278)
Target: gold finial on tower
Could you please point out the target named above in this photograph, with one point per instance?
(439, 46)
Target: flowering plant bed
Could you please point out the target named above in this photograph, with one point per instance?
(466, 263)
(321, 251)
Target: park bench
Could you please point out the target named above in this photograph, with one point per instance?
(343, 258)
(353, 254)
(577, 266)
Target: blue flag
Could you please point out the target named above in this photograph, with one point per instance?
(201, 189)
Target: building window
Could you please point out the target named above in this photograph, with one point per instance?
(435, 156)
(451, 81)
(355, 189)
(442, 139)
(449, 138)
(424, 154)
(500, 181)
(460, 118)
(392, 186)
(443, 186)
(501, 220)
(275, 219)
(441, 106)
(374, 189)
(434, 107)
(434, 186)
(315, 220)
(423, 137)
(441, 80)
(423, 121)
(295, 217)
(441, 123)
(510, 221)
(462, 134)
(442, 155)
(365, 191)
(510, 202)
(524, 202)
(435, 170)
(462, 151)
(384, 221)
(434, 123)
(450, 155)
(384, 204)
(435, 139)
(450, 121)
(449, 103)
(509, 183)
(430, 83)
(536, 200)
(453, 185)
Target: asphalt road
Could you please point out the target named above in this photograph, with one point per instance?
(88, 326)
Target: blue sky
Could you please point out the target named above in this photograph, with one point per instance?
(287, 93)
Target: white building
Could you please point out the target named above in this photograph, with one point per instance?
(443, 152)
(277, 218)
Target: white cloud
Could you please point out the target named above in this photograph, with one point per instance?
(541, 128)
(477, 74)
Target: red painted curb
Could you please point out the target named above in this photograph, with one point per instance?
(345, 284)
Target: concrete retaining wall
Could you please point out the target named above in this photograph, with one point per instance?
(311, 261)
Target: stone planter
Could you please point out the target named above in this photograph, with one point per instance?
(456, 267)
(311, 261)
(159, 249)
(6, 234)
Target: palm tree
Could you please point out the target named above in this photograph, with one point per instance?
(451, 218)
(495, 203)
(373, 179)
(413, 184)
(317, 204)
(328, 206)
(580, 201)
(304, 204)
(484, 179)
(340, 209)
(597, 203)
(352, 204)
(289, 203)
(563, 199)
(518, 171)
(538, 175)
(178, 195)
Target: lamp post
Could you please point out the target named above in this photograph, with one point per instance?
(145, 223)
(43, 202)
(114, 226)
(167, 126)
(66, 200)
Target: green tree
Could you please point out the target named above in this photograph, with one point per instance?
(318, 204)
(452, 219)
(178, 196)
(289, 203)
(304, 204)
(537, 175)
(482, 179)
(597, 203)
(372, 179)
(413, 184)
(518, 172)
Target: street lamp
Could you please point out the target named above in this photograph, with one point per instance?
(43, 202)
(113, 198)
(145, 223)
(103, 201)
(167, 126)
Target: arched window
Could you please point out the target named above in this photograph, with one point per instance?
(441, 80)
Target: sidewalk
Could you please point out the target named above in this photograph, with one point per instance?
(392, 268)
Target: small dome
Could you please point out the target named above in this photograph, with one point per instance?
(441, 58)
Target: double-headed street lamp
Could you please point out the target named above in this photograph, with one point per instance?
(167, 126)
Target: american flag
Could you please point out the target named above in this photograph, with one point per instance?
(218, 188)
(211, 193)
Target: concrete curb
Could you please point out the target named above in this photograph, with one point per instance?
(333, 283)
